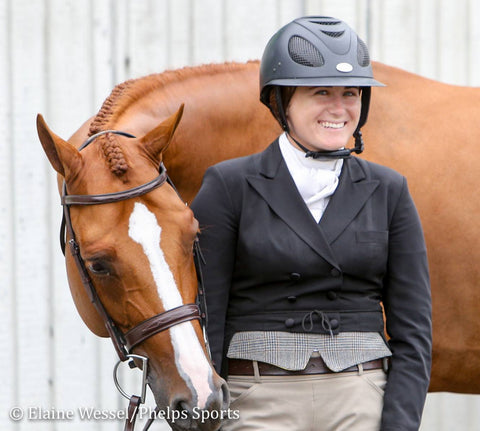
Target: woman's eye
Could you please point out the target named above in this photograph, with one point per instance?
(99, 268)
(352, 93)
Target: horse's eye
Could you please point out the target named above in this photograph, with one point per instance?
(99, 268)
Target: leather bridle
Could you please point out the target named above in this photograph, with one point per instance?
(124, 343)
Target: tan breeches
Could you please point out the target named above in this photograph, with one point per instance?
(350, 401)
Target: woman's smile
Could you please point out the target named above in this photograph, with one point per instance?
(332, 125)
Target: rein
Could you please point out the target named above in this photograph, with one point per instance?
(124, 343)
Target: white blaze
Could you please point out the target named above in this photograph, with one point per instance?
(189, 355)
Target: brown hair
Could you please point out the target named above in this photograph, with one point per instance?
(286, 94)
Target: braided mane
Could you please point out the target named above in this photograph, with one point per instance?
(126, 93)
(112, 151)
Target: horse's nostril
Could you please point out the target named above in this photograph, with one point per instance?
(180, 405)
(181, 414)
(184, 416)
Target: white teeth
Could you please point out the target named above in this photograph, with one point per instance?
(329, 125)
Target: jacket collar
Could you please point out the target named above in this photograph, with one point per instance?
(276, 186)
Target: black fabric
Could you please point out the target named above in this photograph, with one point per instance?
(263, 248)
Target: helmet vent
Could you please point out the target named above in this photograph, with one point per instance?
(333, 33)
(305, 53)
(326, 22)
(362, 53)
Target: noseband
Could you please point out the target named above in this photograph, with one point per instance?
(124, 343)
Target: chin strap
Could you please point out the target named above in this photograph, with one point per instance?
(344, 153)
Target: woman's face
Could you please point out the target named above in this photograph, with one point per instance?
(324, 118)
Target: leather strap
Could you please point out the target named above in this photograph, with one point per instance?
(133, 408)
(316, 365)
(113, 331)
(153, 416)
(160, 322)
(107, 198)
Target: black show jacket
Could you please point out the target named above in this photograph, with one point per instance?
(269, 264)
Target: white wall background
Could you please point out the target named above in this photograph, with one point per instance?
(62, 58)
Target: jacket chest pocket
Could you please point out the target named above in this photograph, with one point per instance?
(367, 255)
(373, 244)
(372, 237)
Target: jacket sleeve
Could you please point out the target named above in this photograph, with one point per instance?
(407, 304)
(213, 209)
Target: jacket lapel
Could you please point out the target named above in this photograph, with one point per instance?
(353, 190)
(276, 186)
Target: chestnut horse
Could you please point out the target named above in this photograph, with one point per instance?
(422, 128)
(136, 238)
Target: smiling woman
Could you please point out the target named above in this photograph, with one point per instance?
(323, 118)
(304, 243)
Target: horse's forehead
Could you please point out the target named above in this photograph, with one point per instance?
(101, 227)
(113, 171)
(109, 222)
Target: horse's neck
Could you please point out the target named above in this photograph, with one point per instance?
(223, 119)
(222, 125)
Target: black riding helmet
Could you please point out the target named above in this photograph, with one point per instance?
(316, 51)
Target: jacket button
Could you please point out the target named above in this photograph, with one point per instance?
(295, 276)
(331, 295)
(334, 324)
(335, 272)
(289, 323)
(292, 298)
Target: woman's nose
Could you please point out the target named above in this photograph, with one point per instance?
(336, 105)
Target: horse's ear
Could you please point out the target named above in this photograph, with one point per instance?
(157, 140)
(64, 157)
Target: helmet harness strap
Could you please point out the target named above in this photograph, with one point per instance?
(281, 111)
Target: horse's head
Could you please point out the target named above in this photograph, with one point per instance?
(138, 254)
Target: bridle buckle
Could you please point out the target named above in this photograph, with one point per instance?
(144, 377)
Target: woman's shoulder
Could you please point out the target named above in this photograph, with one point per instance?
(231, 173)
(376, 171)
(238, 164)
